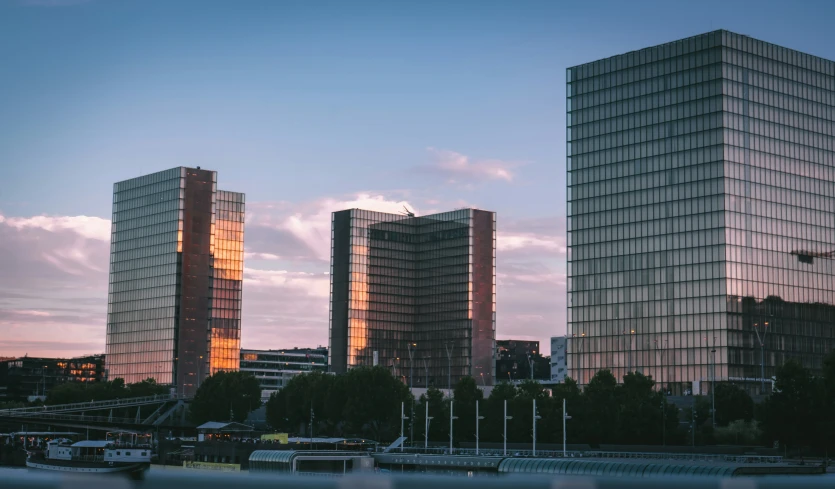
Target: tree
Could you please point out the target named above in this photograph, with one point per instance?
(792, 413)
(641, 411)
(225, 396)
(601, 416)
(465, 394)
(372, 405)
(494, 412)
(438, 430)
(289, 409)
(732, 403)
(147, 387)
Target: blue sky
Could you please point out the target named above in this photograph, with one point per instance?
(306, 106)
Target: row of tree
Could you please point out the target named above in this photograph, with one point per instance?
(366, 402)
(73, 392)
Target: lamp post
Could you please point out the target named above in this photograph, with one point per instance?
(426, 427)
(411, 420)
(426, 373)
(449, 347)
(477, 419)
(530, 364)
(199, 370)
(761, 339)
(506, 417)
(451, 418)
(535, 417)
(403, 417)
(713, 384)
(565, 417)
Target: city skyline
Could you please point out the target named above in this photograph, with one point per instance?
(419, 106)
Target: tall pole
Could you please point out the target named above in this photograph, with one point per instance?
(506, 417)
(199, 370)
(761, 339)
(402, 417)
(565, 417)
(530, 364)
(535, 417)
(426, 427)
(451, 417)
(311, 425)
(477, 419)
(449, 347)
(412, 418)
(426, 373)
(713, 384)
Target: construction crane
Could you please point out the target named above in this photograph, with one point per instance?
(809, 256)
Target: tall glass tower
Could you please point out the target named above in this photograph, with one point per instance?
(176, 270)
(414, 294)
(701, 212)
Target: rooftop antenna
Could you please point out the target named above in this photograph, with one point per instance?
(407, 212)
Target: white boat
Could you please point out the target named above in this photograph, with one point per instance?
(120, 452)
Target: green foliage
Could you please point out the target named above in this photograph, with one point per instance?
(732, 404)
(797, 413)
(363, 402)
(73, 392)
(739, 432)
(225, 396)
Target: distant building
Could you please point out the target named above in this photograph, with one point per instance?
(29, 377)
(176, 274)
(701, 212)
(274, 368)
(414, 287)
(559, 365)
(513, 360)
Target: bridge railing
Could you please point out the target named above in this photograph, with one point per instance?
(92, 405)
(15, 479)
(493, 452)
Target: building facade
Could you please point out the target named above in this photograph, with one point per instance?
(274, 368)
(701, 212)
(414, 287)
(29, 377)
(176, 275)
(559, 358)
(514, 359)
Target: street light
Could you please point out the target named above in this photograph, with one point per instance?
(477, 419)
(530, 364)
(565, 417)
(535, 417)
(506, 417)
(402, 418)
(451, 418)
(761, 339)
(426, 427)
(713, 384)
(411, 364)
(199, 370)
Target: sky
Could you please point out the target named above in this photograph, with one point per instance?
(308, 107)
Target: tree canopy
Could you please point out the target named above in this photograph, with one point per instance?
(225, 396)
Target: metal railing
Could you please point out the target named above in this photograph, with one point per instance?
(92, 405)
(19, 479)
(493, 452)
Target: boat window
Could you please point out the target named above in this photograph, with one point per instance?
(143, 454)
(118, 453)
(127, 454)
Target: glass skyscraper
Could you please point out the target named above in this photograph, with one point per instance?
(424, 285)
(176, 270)
(701, 212)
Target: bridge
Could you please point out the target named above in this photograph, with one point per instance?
(74, 415)
(19, 479)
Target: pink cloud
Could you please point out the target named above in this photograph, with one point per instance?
(461, 169)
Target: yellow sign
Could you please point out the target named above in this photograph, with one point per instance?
(281, 438)
(212, 466)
